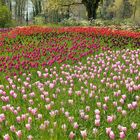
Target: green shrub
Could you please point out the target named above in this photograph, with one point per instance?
(5, 17)
(39, 20)
(74, 21)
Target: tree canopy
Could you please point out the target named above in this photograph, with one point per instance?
(105, 9)
(91, 5)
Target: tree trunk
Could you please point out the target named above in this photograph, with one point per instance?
(91, 11)
(34, 14)
(10, 6)
(37, 7)
(40, 7)
(135, 7)
(91, 8)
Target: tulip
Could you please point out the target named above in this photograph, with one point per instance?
(28, 126)
(133, 125)
(108, 130)
(97, 111)
(30, 137)
(97, 122)
(122, 135)
(6, 137)
(51, 85)
(95, 131)
(12, 128)
(112, 135)
(71, 135)
(138, 136)
(64, 127)
(83, 133)
(75, 125)
(19, 133)
(109, 119)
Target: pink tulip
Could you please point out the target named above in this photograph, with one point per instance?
(42, 127)
(83, 133)
(23, 116)
(71, 119)
(97, 111)
(95, 131)
(12, 128)
(133, 125)
(86, 117)
(2, 117)
(130, 106)
(18, 118)
(122, 101)
(87, 108)
(124, 113)
(108, 130)
(30, 137)
(122, 135)
(97, 117)
(28, 126)
(46, 123)
(6, 137)
(29, 120)
(99, 104)
(124, 129)
(97, 122)
(75, 125)
(67, 114)
(71, 135)
(105, 107)
(119, 109)
(19, 133)
(112, 135)
(115, 103)
(109, 119)
(106, 99)
(138, 136)
(51, 85)
(134, 104)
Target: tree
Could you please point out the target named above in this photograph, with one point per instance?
(37, 7)
(136, 10)
(91, 5)
(127, 9)
(5, 16)
(107, 9)
(7, 3)
(134, 4)
(2, 2)
(19, 10)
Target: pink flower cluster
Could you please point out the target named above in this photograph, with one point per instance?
(94, 98)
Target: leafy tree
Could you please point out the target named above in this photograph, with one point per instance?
(37, 7)
(105, 9)
(20, 9)
(5, 16)
(127, 9)
(119, 9)
(134, 4)
(91, 5)
(2, 2)
(136, 10)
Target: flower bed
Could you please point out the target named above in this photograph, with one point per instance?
(34, 47)
(69, 83)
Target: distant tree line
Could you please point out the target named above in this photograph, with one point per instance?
(105, 9)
